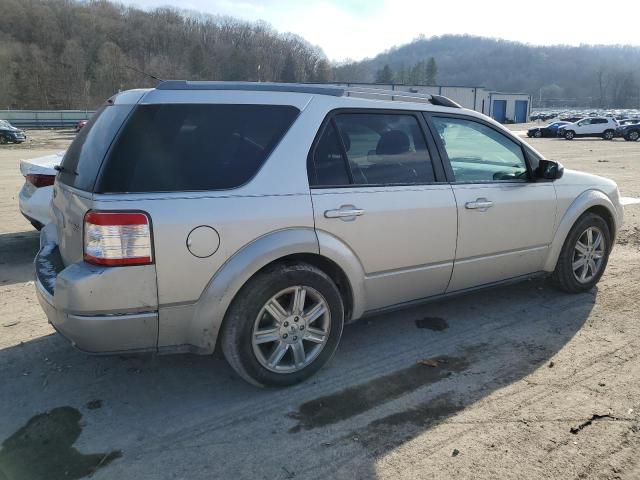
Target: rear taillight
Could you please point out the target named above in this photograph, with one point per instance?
(39, 180)
(117, 238)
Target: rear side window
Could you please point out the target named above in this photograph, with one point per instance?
(372, 149)
(187, 147)
(330, 166)
(82, 160)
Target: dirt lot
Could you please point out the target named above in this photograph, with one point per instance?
(528, 383)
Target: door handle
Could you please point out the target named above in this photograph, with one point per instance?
(481, 204)
(345, 211)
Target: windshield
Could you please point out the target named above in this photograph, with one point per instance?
(5, 124)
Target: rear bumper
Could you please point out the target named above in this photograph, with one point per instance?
(74, 299)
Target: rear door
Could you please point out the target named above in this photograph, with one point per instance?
(376, 186)
(505, 220)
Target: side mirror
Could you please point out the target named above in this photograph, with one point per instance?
(549, 170)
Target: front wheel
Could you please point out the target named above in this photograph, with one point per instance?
(537, 134)
(584, 255)
(608, 135)
(283, 326)
(569, 135)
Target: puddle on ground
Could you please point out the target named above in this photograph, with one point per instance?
(393, 430)
(355, 400)
(432, 323)
(43, 449)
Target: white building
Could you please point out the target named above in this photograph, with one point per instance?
(503, 107)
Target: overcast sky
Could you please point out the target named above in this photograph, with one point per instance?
(363, 28)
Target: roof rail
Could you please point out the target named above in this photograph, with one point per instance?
(399, 95)
(311, 88)
(332, 90)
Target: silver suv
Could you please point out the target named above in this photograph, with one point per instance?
(262, 217)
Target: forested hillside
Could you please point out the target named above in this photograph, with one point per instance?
(69, 54)
(66, 54)
(594, 76)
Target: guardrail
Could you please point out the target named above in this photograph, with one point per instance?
(45, 118)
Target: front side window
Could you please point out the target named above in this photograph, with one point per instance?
(191, 147)
(478, 153)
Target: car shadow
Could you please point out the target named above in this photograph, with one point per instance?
(395, 377)
(17, 251)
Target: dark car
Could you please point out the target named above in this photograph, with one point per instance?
(81, 124)
(550, 130)
(630, 132)
(10, 134)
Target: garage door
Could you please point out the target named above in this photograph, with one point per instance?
(499, 110)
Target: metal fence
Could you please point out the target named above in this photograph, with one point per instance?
(45, 118)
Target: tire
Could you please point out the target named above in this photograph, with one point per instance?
(569, 135)
(3, 140)
(537, 134)
(632, 136)
(608, 135)
(248, 313)
(564, 275)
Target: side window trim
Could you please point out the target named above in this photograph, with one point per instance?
(343, 149)
(437, 161)
(445, 157)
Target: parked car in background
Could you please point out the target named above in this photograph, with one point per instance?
(81, 124)
(550, 130)
(604, 127)
(10, 134)
(247, 190)
(630, 132)
(37, 191)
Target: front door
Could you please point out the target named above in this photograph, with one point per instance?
(505, 220)
(374, 188)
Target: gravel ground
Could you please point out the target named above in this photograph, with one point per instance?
(522, 381)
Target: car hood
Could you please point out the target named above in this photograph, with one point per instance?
(41, 165)
(574, 177)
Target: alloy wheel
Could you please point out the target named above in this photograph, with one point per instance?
(633, 136)
(291, 329)
(588, 254)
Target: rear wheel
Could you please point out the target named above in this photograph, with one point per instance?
(284, 325)
(608, 135)
(584, 254)
(569, 135)
(3, 140)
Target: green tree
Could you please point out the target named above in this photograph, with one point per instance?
(385, 75)
(431, 72)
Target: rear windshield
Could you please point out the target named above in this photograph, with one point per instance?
(82, 160)
(188, 147)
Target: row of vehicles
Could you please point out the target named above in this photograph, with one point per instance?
(293, 209)
(577, 114)
(606, 128)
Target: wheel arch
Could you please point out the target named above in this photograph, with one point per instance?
(289, 245)
(593, 201)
